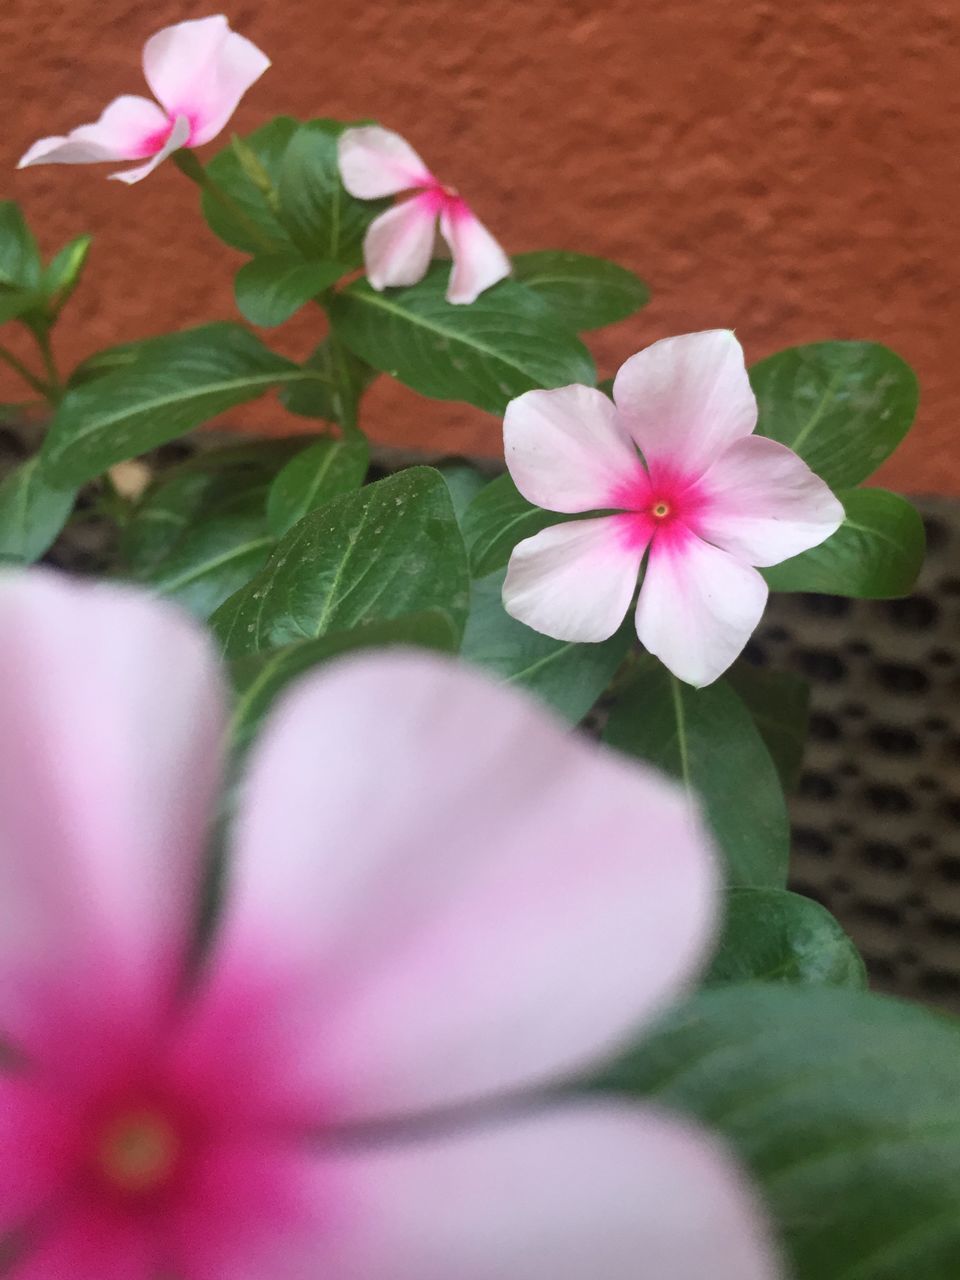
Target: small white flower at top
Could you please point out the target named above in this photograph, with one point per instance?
(198, 71)
(399, 244)
(691, 488)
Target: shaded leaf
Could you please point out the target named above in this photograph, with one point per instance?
(772, 935)
(568, 677)
(393, 548)
(32, 513)
(507, 342)
(172, 385)
(843, 406)
(267, 144)
(269, 290)
(707, 740)
(334, 394)
(876, 553)
(497, 519)
(844, 1106)
(585, 292)
(213, 558)
(317, 474)
(322, 218)
(779, 703)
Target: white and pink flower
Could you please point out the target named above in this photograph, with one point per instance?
(434, 899)
(399, 244)
(673, 460)
(197, 70)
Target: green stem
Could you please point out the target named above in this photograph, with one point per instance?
(54, 382)
(29, 378)
(188, 164)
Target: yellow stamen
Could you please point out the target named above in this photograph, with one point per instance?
(138, 1151)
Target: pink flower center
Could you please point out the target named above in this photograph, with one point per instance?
(138, 1151)
(659, 503)
(156, 141)
(443, 199)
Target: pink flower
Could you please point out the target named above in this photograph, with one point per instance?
(198, 72)
(434, 899)
(399, 243)
(705, 502)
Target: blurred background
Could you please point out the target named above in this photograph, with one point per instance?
(792, 171)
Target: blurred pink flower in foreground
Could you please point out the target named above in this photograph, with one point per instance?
(434, 898)
(706, 502)
(198, 71)
(399, 244)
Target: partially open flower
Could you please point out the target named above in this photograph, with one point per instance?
(434, 898)
(399, 243)
(197, 70)
(691, 488)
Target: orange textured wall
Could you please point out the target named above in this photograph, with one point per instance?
(792, 170)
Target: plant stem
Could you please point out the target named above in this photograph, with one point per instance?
(29, 378)
(54, 383)
(188, 164)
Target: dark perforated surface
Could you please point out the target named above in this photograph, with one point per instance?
(877, 816)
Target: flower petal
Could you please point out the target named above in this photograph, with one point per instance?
(575, 581)
(111, 717)
(179, 134)
(201, 69)
(763, 504)
(125, 131)
(376, 162)
(456, 896)
(478, 259)
(398, 245)
(687, 399)
(88, 1241)
(603, 1190)
(33, 1153)
(698, 606)
(567, 450)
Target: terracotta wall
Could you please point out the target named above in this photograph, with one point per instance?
(790, 169)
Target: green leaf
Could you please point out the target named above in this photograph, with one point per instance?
(32, 513)
(876, 553)
(568, 677)
(843, 406)
(213, 558)
(507, 342)
(63, 274)
(20, 262)
(17, 302)
(226, 169)
(161, 516)
(260, 677)
(497, 519)
(393, 548)
(317, 474)
(707, 740)
(585, 292)
(335, 394)
(269, 290)
(772, 935)
(174, 385)
(846, 1108)
(464, 482)
(323, 219)
(779, 703)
